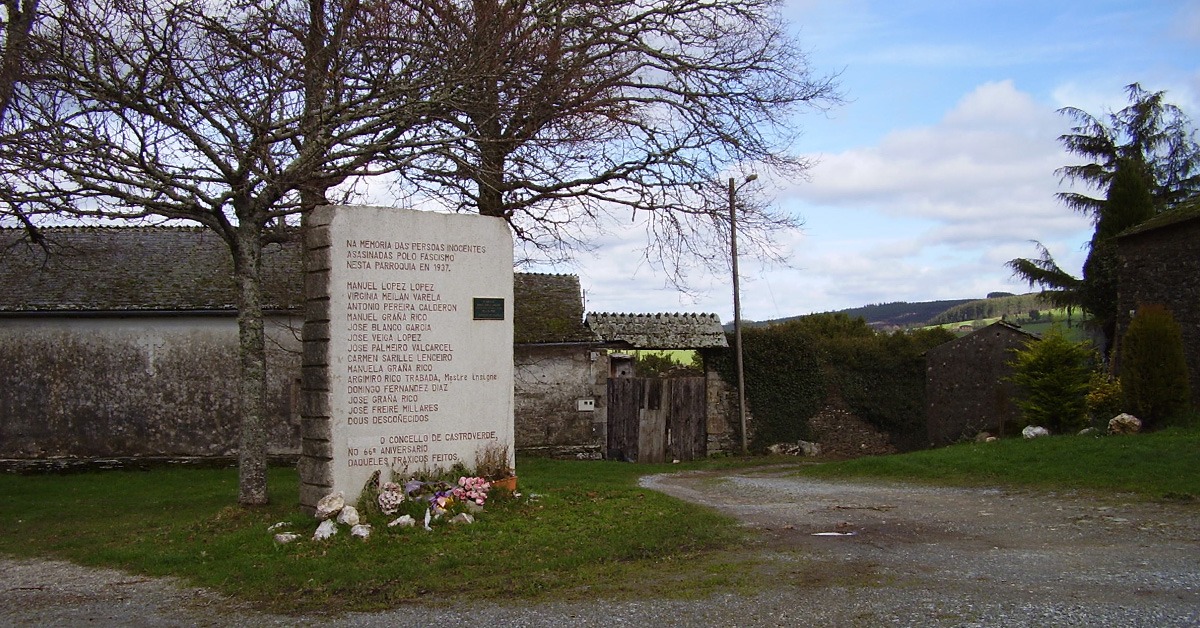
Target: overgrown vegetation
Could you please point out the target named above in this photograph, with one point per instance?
(664, 363)
(590, 531)
(785, 381)
(1154, 373)
(1163, 464)
(792, 369)
(882, 379)
(1054, 376)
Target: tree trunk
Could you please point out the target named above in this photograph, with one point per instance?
(252, 369)
(491, 179)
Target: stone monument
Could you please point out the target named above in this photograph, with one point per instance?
(408, 345)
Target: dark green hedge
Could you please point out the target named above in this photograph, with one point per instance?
(792, 368)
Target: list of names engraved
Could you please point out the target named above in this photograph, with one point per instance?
(418, 384)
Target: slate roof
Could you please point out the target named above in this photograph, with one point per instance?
(132, 269)
(189, 269)
(659, 331)
(548, 309)
(1185, 212)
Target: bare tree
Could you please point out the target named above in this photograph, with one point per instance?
(235, 117)
(573, 113)
(15, 197)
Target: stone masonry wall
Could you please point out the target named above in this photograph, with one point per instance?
(965, 390)
(550, 381)
(1163, 266)
(135, 386)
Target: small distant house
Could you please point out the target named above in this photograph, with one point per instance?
(966, 390)
(1160, 264)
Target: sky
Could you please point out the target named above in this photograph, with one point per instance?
(940, 167)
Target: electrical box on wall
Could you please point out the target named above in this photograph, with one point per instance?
(586, 405)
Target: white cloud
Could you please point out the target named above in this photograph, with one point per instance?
(926, 213)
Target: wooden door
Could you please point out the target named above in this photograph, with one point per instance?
(657, 419)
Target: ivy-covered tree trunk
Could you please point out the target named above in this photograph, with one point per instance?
(252, 369)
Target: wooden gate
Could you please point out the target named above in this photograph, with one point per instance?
(657, 419)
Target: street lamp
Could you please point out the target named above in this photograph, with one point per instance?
(737, 307)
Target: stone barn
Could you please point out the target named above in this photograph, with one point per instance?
(965, 387)
(560, 370)
(1160, 263)
(123, 342)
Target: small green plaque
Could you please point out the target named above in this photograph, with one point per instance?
(489, 309)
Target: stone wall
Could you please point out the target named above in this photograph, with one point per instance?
(965, 388)
(550, 382)
(135, 386)
(1162, 266)
(724, 421)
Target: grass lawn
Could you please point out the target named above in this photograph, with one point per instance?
(1157, 465)
(590, 531)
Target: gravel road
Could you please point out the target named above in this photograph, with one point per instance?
(841, 554)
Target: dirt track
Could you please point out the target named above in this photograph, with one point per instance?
(1007, 546)
(902, 556)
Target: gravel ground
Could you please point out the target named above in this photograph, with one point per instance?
(901, 556)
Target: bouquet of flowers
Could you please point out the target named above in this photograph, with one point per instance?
(472, 489)
(390, 498)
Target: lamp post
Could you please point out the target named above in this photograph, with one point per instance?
(737, 308)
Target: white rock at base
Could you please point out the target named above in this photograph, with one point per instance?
(1035, 431)
(281, 524)
(1124, 424)
(330, 505)
(327, 529)
(405, 521)
(286, 537)
(348, 516)
(462, 517)
(361, 530)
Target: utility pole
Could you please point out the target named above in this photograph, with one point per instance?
(737, 309)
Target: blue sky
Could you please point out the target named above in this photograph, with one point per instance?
(940, 168)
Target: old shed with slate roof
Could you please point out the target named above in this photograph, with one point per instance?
(711, 398)
(966, 385)
(1160, 264)
(123, 342)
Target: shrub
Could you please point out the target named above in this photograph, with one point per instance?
(1154, 371)
(1104, 398)
(1053, 375)
(654, 364)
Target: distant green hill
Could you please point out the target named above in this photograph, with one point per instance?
(1010, 306)
(904, 315)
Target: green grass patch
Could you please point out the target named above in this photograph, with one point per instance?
(591, 531)
(1164, 464)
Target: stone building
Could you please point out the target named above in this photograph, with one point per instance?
(123, 342)
(560, 369)
(1160, 264)
(966, 391)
